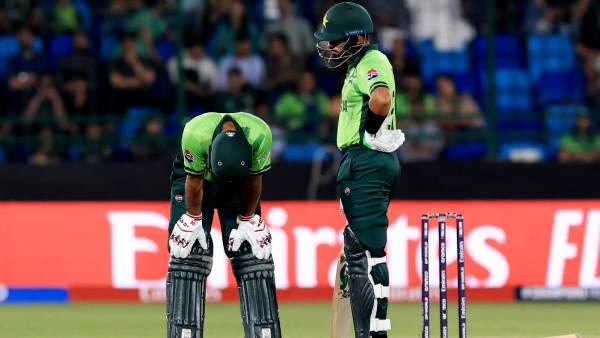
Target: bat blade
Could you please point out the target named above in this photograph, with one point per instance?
(341, 313)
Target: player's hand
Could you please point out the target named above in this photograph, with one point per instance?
(254, 230)
(185, 233)
(384, 140)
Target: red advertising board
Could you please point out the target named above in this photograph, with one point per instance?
(123, 245)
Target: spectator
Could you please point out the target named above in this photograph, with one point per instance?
(6, 26)
(131, 77)
(239, 96)
(95, 146)
(456, 111)
(302, 112)
(549, 16)
(44, 118)
(282, 66)
(78, 77)
(391, 20)
(582, 144)
(412, 96)
(114, 17)
(251, 65)
(296, 30)
(232, 23)
(424, 137)
(200, 74)
(46, 103)
(64, 18)
(147, 21)
(401, 62)
(151, 143)
(24, 71)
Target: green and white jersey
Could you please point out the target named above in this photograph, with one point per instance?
(200, 131)
(370, 69)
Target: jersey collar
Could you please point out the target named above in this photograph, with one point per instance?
(362, 53)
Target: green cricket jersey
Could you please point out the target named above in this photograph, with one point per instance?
(200, 131)
(370, 69)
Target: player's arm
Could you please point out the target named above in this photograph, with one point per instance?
(193, 191)
(251, 194)
(380, 101)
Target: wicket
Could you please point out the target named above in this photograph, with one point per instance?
(462, 301)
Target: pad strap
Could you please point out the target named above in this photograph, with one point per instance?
(381, 324)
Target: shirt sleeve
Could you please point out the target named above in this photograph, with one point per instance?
(261, 153)
(373, 72)
(194, 149)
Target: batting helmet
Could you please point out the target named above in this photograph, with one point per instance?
(230, 156)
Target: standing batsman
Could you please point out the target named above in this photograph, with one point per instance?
(221, 165)
(370, 167)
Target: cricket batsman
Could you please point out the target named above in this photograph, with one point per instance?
(370, 167)
(220, 167)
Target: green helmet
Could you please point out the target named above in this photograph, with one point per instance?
(342, 23)
(343, 20)
(230, 156)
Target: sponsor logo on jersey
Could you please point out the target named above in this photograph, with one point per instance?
(188, 155)
(178, 198)
(371, 74)
(230, 133)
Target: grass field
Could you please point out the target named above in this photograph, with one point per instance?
(298, 320)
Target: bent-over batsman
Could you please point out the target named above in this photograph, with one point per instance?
(220, 167)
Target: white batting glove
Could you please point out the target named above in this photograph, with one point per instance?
(384, 140)
(185, 233)
(254, 230)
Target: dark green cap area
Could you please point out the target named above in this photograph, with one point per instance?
(230, 156)
(343, 20)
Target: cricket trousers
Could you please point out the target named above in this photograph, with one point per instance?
(365, 181)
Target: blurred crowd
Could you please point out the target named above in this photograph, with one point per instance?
(97, 81)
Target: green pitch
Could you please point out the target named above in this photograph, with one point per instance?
(306, 320)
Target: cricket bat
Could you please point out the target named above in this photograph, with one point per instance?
(341, 314)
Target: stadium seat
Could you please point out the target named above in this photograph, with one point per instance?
(522, 151)
(449, 62)
(60, 45)
(465, 151)
(166, 48)
(560, 87)
(108, 44)
(300, 152)
(508, 52)
(549, 52)
(9, 46)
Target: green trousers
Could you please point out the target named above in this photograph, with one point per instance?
(226, 198)
(365, 181)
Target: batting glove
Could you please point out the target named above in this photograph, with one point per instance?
(185, 233)
(384, 140)
(254, 230)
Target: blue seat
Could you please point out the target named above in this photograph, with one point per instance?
(300, 152)
(449, 62)
(166, 48)
(108, 44)
(133, 122)
(549, 52)
(560, 87)
(522, 151)
(9, 46)
(508, 52)
(60, 45)
(83, 9)
(465, 151)
(513, 90)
